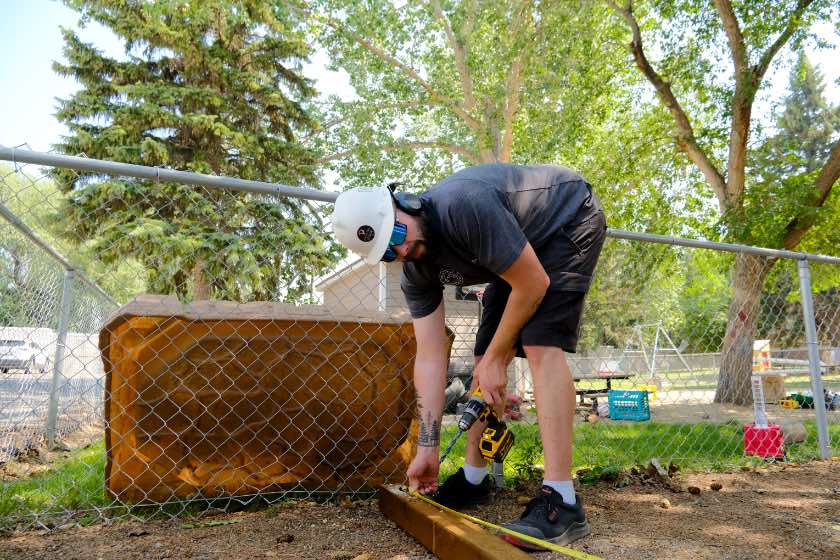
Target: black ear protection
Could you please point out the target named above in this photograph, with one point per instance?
(407, 202)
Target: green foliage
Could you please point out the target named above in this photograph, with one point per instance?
(74, 483)
(785, 166)
(607, 446)
(704, 299)
(528, 456)
(608, 473)
(688, 46)
(32, 280)
(495, 81)
(643, 281)
(208, 86)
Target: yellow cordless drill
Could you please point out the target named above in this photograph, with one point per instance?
(496, 439)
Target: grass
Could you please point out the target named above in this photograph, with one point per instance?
(703, 446)
(72, 484)
(76, 484)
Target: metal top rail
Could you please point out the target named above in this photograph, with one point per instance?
(228, 183)
(159, 174)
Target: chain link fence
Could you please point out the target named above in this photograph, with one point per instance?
(269, 364)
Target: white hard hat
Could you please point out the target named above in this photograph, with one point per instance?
(363, 220)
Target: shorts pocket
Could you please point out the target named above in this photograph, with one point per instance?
(565, 281)
(582, 236)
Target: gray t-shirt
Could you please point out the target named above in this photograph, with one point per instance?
(480, 219)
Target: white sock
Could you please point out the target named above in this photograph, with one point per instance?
(565, 488)
(474, 475)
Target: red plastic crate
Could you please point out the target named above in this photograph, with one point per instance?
(764, 442)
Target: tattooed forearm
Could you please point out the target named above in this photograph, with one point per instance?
(429, 431)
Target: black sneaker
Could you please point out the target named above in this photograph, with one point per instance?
(457, 493)
(547, 517)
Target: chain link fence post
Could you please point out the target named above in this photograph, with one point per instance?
(813, 356)
(58, 362)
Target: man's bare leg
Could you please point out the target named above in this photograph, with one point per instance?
(554, 391)
(555, 515)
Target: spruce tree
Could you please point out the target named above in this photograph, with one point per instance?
(211, 86)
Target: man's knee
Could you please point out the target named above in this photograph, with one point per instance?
(541, 357)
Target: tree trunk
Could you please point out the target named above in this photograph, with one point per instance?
(736, 365)
(201, 289)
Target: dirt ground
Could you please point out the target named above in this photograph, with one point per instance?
(790, 511)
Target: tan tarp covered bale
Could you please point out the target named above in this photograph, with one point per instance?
(221, 398)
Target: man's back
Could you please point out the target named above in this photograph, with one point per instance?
(542, 198)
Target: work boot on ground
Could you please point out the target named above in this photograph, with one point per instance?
(457, 493)
(548, 518)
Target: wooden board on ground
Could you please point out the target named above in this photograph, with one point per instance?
(446, 535)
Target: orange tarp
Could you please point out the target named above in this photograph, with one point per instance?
(219, 398)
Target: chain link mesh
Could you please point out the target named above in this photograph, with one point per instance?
(826, 290)
(226, 401)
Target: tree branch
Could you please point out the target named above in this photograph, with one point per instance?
(409, 72)
(334, 122)
(686, 141)
(513, 89)
(793, 19)
(411, 145)
(799, 226)
(747, 81)
(513, 83)
(469, 23)
(460, 49)
(733, 35)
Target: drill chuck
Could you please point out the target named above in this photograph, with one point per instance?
(472, 411)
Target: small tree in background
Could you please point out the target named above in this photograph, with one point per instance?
(205, 86)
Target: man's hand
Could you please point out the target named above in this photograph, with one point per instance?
(423, 471)
(492, 380)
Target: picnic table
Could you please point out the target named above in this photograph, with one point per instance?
(597, 392)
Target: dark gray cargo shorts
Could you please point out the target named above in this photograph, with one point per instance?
(569, 259)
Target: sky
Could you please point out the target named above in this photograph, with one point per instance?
(31, 40)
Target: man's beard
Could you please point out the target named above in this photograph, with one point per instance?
(416, 246)
(424, 240)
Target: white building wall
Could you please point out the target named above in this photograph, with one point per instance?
(361, 289)
(356, 291)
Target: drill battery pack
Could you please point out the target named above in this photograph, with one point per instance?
(496, 441)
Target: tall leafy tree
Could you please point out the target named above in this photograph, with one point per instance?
(444, 84)
(712, 59)
(211, 86)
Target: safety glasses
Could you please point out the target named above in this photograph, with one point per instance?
(397, 238)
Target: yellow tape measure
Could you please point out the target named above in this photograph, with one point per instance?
(527, 538)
